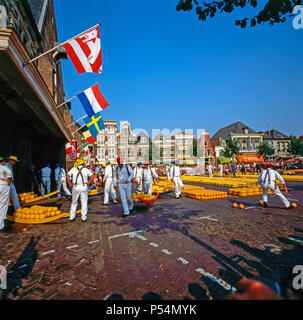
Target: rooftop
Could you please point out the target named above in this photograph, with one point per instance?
(237, 127)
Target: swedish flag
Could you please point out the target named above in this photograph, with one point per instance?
(95, 124)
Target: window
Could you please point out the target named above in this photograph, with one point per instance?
(111, 154)
(101, 154)
(125, 132)
(111, 140)
(110, 129)
(209, 152)
(257, 143)
(205, 144)
(100, 140)
(143, 140)
(122, 142)
(244, 145)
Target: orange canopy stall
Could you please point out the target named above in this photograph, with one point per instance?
(249, 158)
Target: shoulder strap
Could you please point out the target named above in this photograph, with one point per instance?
(127, 169)
(80, 173)
(267, 174)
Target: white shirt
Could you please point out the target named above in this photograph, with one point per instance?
(5, 173)
(122, 175)
(175, 172)
(138, 173)
(86, 174)
(167, 169)
(220, 167)
(46, 172)
(148, 175)
(108, 172)
(270, 178)
(60, 174)
(7, 165)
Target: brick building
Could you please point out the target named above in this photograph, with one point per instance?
(31, 126)
(206, 150)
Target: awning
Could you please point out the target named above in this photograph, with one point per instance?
(249, 158)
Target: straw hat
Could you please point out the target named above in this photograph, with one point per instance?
(78, 162)
(13, 158)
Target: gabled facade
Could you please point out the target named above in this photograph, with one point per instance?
(247, 139)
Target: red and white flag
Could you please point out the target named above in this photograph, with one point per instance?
(78, 153)
(85, 51)
(70, 147)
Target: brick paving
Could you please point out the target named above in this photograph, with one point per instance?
(183, 249)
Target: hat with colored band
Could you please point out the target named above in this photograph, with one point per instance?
(79, 162)
(13, 158)
(1, 159)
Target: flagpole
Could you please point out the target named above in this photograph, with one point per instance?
(79, 129)
(62, 104)
(61, 44)
(76, 121)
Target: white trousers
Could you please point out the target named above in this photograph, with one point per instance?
(276, 191)
(14, 196)
(210, 172)
(178, 186)
(109, 191)
(221, 173)
(47, 183)
(82, 192)
(148, 187)
(4, 199)
(167, 176)
(137, 186)
(126, 195)
(62, 183)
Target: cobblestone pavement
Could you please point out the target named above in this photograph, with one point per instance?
(176, 249)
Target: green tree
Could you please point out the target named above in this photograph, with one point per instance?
(295, 147)
(265, 150)
(232, 148)
(274, 11)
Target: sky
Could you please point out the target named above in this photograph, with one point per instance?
(166, 69)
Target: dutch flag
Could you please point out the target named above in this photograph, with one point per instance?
(92, 100)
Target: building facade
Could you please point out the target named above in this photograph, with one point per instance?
(247, 139)
(206, 151)
(31, 127)
(278, 141)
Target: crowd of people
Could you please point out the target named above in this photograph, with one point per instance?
(128, 179)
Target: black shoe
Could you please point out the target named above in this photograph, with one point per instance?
(124, 215)
(105, 204)
(265, 205)
(288, 208)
